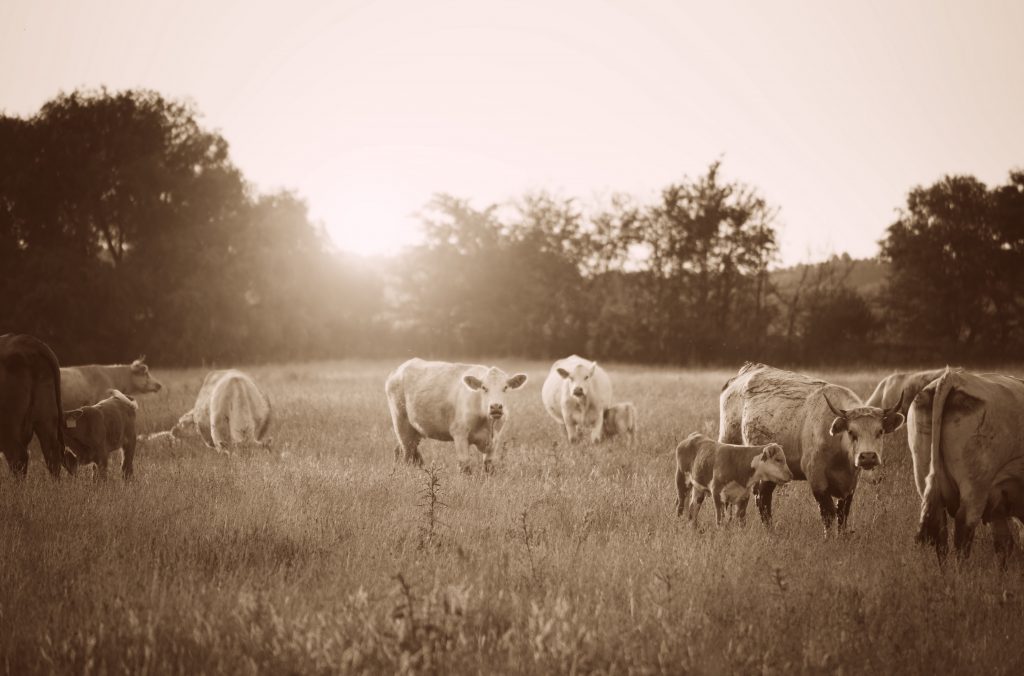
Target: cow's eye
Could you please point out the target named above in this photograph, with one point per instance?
(483, 388)
(853, 437)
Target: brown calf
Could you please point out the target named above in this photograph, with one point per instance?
(726, 472)
(94, 432)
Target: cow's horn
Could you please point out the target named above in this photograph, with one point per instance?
(898, 407)
(838, 411)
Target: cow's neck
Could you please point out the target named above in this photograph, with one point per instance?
(121, 376)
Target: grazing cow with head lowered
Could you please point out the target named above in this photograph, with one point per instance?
(230, 410)
(29, 402)
(576, 394)
(94, 432)
(463, 403)
(828, 433)
(620, 419)
(726, 472)
(84, 385)
(967, 440)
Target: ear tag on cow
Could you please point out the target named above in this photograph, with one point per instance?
(72, 422)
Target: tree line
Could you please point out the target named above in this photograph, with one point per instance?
(126, 228)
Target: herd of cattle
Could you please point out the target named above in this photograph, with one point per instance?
(965, 430)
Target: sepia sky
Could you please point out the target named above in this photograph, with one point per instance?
(832, 110)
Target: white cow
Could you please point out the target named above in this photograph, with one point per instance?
(576, 394)
(464, 403)
(230, 410)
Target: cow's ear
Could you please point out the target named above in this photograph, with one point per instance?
(562, 372)
(839, 425)
(893, 422)
(593, 367)
(71, 417)
(472, 382)
(139, 367)
(516, 381)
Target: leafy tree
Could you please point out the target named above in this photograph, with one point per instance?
(956, 259)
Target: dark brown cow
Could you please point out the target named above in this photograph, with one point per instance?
(94, 432)
(29, 402)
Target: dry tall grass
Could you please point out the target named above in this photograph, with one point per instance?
(329, 558)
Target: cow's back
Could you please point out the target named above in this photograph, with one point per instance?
(84, 385)
(981, 436)
(764, 405)
(235, 397)
(428, 392)
(907, 385)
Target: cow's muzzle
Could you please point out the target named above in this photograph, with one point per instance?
(497, 411)
(868, 460)
(578, 392)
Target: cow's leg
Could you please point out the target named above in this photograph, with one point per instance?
(595, 418)
(17, 459)
(716, 495)
(102, 461)
(682, 491)
(741, 509)
(129, 457)
(963, 533)
(1002, 539)
(763, 491)
(697, 496)
(827, 509)
(408, 438)
(933, 529)
(489, 453)
(843, 511)
(462, 453)
(53, 453)
(572, 430)
(14, 443)
(220, 432)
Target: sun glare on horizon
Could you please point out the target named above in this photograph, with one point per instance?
(369, 221)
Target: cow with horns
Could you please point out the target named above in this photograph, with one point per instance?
(829, 434)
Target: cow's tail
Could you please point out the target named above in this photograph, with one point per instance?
(51, 358)
(937, 473)
(937, 482)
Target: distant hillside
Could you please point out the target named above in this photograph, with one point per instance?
(865, 275)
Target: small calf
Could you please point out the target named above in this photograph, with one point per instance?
(94, 432)
(726, 472)
(620, 419)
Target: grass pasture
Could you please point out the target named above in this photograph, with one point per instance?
(326, 557)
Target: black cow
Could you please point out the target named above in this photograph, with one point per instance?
(29, 402)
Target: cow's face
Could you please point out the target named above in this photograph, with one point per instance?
(492, 388)
(770, 465)
(580, 379)
(142, 380)
(861, 430)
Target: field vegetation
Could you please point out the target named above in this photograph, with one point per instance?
(325, 556)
